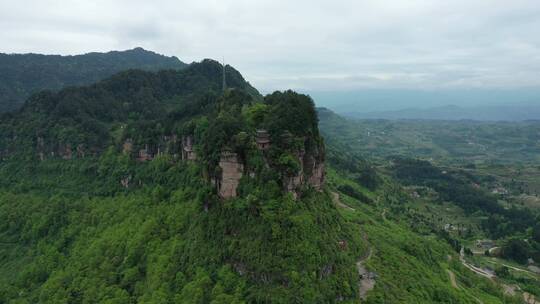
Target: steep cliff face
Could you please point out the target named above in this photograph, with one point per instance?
(310, 174)
(316, 179)
(188, 151)
(64, 151)
(144, 115)
(138, 105)
(314, 166)
(232, 170)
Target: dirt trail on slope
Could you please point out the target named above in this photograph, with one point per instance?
(383, 214)
(515, 268)
(452, 278)
(473, 268)
(337, 202)
(367, 278)
(453, 281)
(529, 298)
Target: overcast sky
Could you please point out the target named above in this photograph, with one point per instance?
(302, 44)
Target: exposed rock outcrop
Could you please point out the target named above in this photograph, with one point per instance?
(231, 172)
(145, 154)
(127, 147)
(80, 151)
(311, 173)
(65, 151)
(188, 153)
(316, 178)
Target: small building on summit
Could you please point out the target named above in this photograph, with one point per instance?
(262, 138)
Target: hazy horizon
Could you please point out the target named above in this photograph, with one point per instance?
(339, 53)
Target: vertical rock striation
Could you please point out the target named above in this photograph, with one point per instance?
(231, 172)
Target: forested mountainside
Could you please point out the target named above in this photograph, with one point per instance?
(24, 74)
(161, 187)
(157, 187)
(482, 201)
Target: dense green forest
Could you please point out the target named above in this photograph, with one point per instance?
(73, 232)
(24, 74)
(483, 201)
(164, 187)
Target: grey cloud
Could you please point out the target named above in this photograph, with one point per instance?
(307, 45)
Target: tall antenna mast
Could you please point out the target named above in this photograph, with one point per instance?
(224, 82)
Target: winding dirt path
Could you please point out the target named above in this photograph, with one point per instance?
(529, 298)
(337, 202)
(453, 281)
(452, 278)
(515, 268)
(473, 268)
(367, 279)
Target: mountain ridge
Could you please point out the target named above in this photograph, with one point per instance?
(162, 187)
(24, 74)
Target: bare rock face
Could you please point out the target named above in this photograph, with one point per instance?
(316, 180)
(293, 184)
(68, 152)
(64, 151)
(170, 145)
(127, 147)
(41, 148)
(125, 181)
(80, 151)
(231, 173)
(311, 173)
(314, 167)
(188, 153)
(145, 154)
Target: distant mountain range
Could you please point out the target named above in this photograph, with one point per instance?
(24, 74)
(508, 112)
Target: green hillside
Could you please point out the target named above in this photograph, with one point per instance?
(488, 208)
(24, 74)
(160, 187)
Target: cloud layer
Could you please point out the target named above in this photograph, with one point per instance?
(306, 45)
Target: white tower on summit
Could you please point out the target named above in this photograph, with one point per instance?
(224, 81)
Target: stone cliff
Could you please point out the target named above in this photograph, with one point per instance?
(310, 174)
(311, 171)
(232, 170)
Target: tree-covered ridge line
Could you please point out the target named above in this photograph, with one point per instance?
(147, 114)
(167, 236)
(94, 115)
(24, 74)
